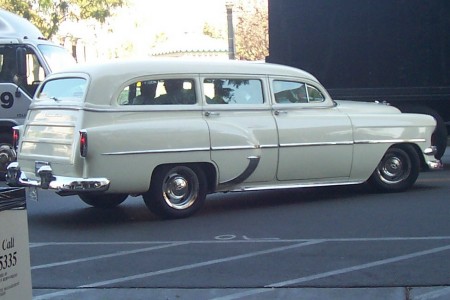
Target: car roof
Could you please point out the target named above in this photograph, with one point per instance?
(136, 68)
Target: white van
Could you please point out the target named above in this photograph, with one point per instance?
(174, 131)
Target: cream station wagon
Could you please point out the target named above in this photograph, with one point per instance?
(174, 131)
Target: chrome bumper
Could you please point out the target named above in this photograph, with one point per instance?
(61, 184)
(435, 164)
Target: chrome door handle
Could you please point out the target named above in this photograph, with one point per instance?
(280, 112)
(211, 113)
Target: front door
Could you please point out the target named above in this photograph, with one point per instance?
(315, 139)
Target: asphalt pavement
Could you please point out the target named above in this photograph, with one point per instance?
(268, 292)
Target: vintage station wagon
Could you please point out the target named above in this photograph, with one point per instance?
(174, 131)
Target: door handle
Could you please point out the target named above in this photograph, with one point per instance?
(211, 113)
(280, 112)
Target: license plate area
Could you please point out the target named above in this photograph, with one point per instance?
(38, 165)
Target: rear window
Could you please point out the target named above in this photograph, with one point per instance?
(64, 89)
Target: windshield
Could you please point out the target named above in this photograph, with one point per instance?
(57, 57)
(64, 89)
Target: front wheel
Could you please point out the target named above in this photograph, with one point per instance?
(398, 169)
(103, 200)
(176, 191)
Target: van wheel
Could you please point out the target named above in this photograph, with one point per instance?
(103, 200)
(7, 153)
(176, 191)
(398, 169)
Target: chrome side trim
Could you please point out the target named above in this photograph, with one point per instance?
(157, 151)
(390, 141)
(251, 147)
(295, 185)
(251, 167)
(316, 144)
(359, 142)
(236, 147)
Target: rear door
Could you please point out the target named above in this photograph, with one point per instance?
(50, 133)
(242, 129)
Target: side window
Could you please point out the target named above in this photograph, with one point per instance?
(34, 69)
(7, 64)
(233, 91)
(290, 92)
(314, 95)
(8, 69)
(159, 92)
(296, 92)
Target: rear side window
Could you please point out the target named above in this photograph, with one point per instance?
(159, 92)
(64, 89)
(296, 92)
(233, 91)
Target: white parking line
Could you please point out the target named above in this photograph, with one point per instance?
(120, 253)
(436, 293)
(165, 244)
(177, 269)
(334, 272)
(231, 238)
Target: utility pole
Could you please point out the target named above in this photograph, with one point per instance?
(231, 49)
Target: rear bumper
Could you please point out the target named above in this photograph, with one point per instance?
(61, 184)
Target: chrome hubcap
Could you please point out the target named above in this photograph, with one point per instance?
(394, 168)
(180, 189)
(177, 188)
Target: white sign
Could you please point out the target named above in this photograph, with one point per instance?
(15, 272)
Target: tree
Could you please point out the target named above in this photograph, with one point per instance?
(252, 30)
(48, 15)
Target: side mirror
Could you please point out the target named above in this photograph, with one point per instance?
(21, 60)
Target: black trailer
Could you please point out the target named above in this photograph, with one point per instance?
(386, 50)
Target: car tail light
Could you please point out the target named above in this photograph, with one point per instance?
(83, 143)
(15, 138)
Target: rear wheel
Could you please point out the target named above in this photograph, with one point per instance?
(176, 191)
(397, 170)
(103, 200)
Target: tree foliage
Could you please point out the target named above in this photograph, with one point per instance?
(48, 15)
(252, 30)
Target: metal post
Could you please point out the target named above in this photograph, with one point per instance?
(231, 49)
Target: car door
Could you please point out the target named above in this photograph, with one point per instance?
(242, 129)
(315, 139)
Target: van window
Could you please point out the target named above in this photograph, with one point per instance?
(8, 69)
(233, 91)
(57, 57)
(296, 92)
(159, 92)
(64, 89)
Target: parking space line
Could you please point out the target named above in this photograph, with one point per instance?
(177, 269)
(120, 253)
(201, 264)
(437, 293)
(377, 263)
(245, 240)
